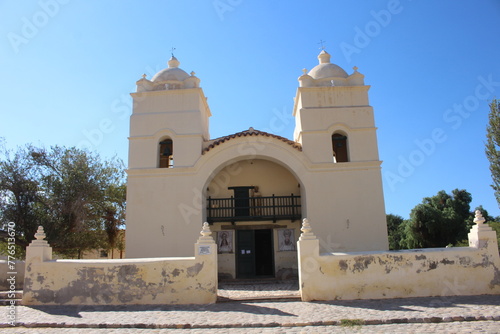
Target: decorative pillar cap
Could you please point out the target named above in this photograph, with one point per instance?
(306, 231)
(40, 234)
(205, 231)
(479, 219)
(205, 235)
(39, 239)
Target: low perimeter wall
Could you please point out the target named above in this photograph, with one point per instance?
(470, 270)
(11, 275)
(190, 280)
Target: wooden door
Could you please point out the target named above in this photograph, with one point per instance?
(255, 254)
(245, 258)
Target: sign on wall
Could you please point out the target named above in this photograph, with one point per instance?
(204, 250)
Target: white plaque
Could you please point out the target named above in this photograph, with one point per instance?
(204, 250)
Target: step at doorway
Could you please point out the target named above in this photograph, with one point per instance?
(255, 255)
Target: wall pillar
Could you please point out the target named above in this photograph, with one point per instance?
(205, 249)
(38, 250)
(308, 253)
(482, 235)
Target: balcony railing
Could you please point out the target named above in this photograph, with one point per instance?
(253, 208)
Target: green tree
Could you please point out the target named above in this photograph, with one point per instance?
(395, 230)
(438, 221)
(83, 192)
(20, 196)
(78, 198)
(114, 216)
(493, 146)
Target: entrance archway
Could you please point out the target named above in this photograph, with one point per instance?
(250, 204)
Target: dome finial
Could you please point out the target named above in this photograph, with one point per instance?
(173, 62)
(324, 57)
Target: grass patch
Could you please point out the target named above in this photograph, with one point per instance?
(351, 322)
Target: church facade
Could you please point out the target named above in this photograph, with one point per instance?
(254, 187)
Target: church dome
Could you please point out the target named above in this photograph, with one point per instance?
(171, 73)
(325, 69)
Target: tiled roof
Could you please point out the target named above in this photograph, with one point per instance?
(250, 132)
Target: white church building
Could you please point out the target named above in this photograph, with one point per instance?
(254, 187)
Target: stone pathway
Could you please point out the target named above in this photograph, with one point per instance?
(489, 327)
(271, 309)
(261, 290)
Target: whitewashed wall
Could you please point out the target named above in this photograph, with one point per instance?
(190, 280)
(472, 270)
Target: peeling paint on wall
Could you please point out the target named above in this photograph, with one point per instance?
(446, 261)
(117, 282)
(112, 282)
(409, 273)
(361, 263)
(343, 265)
(194, 270)
(496, 278)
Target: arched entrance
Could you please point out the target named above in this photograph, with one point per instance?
(254, 207)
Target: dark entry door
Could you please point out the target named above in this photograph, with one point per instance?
(246, 254)
(241, 201)
(255, 253)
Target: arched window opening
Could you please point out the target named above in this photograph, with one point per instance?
(166, 154)
(339, 146)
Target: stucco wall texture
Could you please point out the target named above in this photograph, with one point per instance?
(472, 270)
(456, 271)
(189, 280)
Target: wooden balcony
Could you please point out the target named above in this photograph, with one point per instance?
(253, 208)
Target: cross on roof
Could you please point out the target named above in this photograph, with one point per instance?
(172, 51)
(322, 44)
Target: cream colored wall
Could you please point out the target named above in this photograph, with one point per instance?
(270, 177)
(345, 199)
(338, 96)
(166, 206)
(347, 205)
(227, 266)
(181, 115)
(96, 254)
(119, 282)
(397, 274)
(317, 126)
(7, 282)
(191, 280)
(331, 194)
(164, 213)
(175, 198)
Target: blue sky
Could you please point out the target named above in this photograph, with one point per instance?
(68, 68)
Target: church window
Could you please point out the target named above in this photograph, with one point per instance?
(166, 154)
(339, 146)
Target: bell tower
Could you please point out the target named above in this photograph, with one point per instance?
(333, 118)
(168, 127)
(169, 121)
(335, 125)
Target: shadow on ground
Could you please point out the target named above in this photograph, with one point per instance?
(264, 308)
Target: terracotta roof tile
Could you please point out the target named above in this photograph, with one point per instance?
(250, 132)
